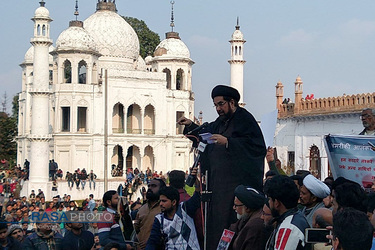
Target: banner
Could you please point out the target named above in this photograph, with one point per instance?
(352, 157)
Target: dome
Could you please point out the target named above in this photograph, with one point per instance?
(113, 36)
(29, 56)
(76, 38)
(237, 35)
(172, 47)
(148, 59)
(41, 12)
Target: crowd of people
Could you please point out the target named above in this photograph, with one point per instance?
(244, 208)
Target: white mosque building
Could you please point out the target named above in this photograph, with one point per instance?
(92, 101)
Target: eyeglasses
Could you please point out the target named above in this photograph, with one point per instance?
(240, 205)
(365, 116)
(265, 214)
(219, 104)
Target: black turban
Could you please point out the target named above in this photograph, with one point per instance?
(250, 197)
(222, 90)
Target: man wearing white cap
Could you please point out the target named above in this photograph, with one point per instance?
(312, 193)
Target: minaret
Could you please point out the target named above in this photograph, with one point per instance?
(298, 92)
(279, 94)
(236, 62)
(40, 94)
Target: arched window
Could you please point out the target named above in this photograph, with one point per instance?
(315, 161)
(44, 30)
(149, 120)
(179, 79)
(235, 50)
(168, 77)
(38, 30)
(134, 119)
(67, 72)
(118, 118)
(82, 69)
(239, 50)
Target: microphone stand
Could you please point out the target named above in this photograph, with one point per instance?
(206, 194)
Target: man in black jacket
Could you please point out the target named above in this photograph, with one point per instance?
(236, 157)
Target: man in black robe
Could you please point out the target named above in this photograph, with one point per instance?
(236, 157)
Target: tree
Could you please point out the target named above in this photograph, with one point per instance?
(8, 146)
(148, 40)
(8, 132)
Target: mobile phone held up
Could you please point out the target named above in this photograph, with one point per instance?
(317, 235)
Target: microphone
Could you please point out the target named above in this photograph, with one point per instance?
(197, 129)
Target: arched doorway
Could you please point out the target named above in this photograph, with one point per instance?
(148, 159)
(133, 158)
(117, 162)
(315, 161)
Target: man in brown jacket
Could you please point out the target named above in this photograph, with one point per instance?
(249, 229)
(146, 214)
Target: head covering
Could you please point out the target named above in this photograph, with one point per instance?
(222, 90)
(12, 228)
(250, 197)
(316, 187)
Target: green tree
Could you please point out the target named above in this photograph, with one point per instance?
(8, 146)
(148, 40)
(8, 133)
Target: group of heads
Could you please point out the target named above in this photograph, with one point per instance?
(351, 226)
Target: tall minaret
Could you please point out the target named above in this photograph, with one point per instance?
(40, 94)
(298, 92)
(236, 61)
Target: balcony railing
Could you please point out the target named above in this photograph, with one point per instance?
(117, 130)
(149, 131)
(134, 131)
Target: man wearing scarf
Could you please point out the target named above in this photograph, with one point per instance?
(43, 238)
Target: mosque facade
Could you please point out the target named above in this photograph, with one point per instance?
(303, 124)
(92, 101)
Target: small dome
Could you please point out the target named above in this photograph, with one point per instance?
(29, 56)
(237, 35)
(76, 38)
(172, 47)
(42, 12)
(113, 36)
(148, 59)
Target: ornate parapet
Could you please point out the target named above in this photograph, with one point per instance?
(330, 105)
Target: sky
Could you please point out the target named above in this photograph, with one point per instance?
(329, 44)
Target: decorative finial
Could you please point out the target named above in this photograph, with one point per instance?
(238, 23)
(76, 13)
(42, 3)
(172, 17)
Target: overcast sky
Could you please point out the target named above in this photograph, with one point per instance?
(330, 44)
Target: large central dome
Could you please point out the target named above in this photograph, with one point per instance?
(113, 36)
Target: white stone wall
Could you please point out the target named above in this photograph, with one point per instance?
(298, 134)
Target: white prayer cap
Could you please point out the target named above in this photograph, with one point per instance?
(316, 187)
